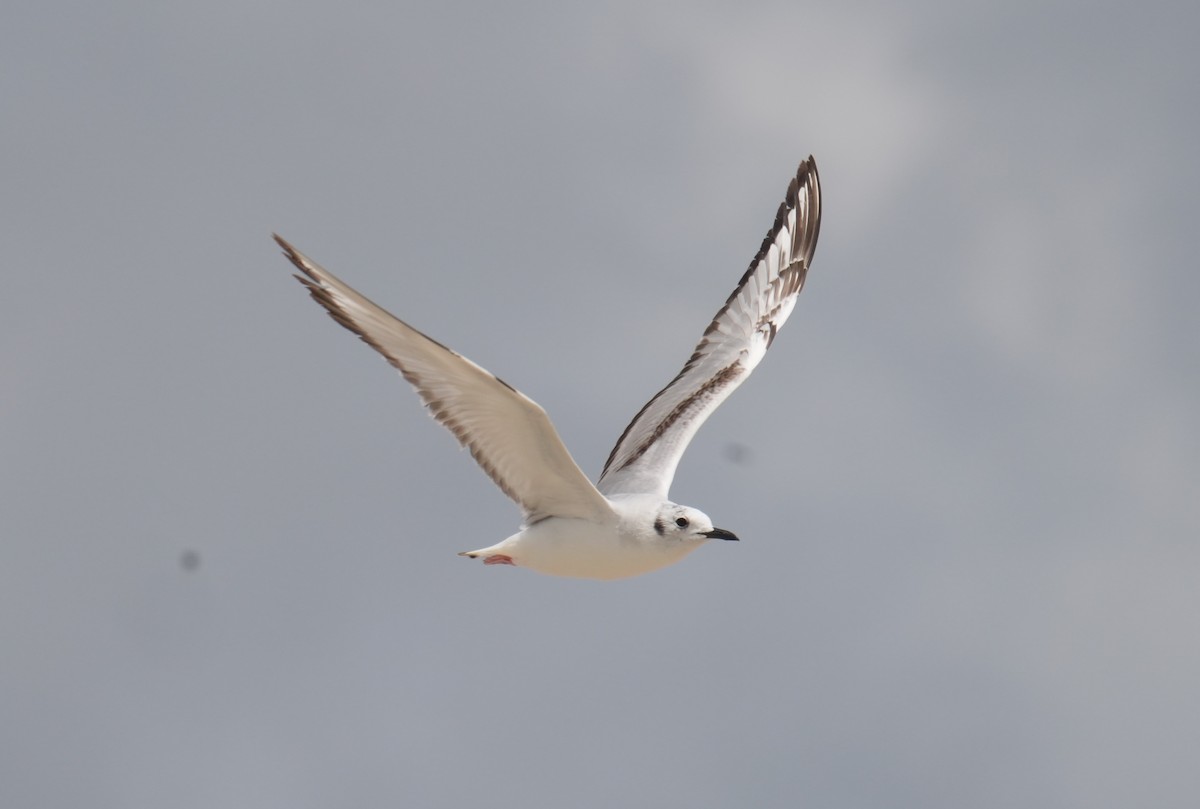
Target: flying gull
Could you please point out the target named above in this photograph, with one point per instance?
(624, 525)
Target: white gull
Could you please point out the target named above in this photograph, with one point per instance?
(624, 525)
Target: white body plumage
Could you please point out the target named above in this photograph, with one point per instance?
(643, 534)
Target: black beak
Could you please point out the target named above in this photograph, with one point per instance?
(720, 533)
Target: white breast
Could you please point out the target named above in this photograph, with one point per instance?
(587, 550)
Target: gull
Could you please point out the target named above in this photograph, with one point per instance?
(625, 525)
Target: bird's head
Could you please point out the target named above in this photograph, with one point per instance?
(686, 524)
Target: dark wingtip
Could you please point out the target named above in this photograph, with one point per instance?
(300, 261)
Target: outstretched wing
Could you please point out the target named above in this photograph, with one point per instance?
(646, 455)
(508, 434)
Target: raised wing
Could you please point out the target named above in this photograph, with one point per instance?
(646, 455)
(508, 434)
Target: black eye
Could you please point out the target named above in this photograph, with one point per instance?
(682, 522)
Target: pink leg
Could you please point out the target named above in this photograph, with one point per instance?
(499, 559)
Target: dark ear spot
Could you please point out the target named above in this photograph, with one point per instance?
(659, 528)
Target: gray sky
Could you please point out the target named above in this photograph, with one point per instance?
(967, 477)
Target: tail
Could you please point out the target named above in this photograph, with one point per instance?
(483, 552)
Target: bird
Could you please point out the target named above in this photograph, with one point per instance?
(625, 525)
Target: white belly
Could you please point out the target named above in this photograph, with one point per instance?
(582, 549)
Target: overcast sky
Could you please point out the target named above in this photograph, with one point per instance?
(967, 476)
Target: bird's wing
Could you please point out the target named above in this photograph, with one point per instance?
(508, 434)
(646, 455)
